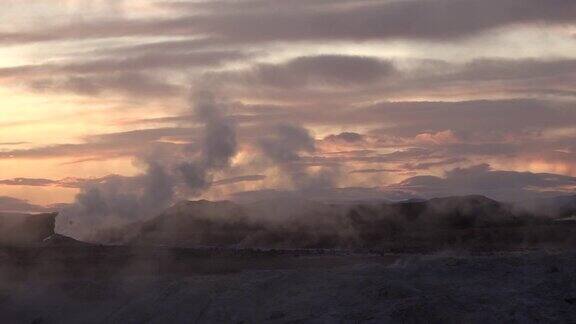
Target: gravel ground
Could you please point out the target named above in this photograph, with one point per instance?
(533, 287)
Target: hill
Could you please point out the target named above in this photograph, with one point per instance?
(431, 224)
(25, 229)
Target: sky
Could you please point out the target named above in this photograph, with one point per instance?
(250, 99)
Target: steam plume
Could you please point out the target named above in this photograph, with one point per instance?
(284, 146)
(118, 200)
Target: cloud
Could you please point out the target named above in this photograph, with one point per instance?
(496, 184)
(438, 138)
(227, 6)
(352, 72)
(368, 171)
(367, 20)
(432, 164)
(437, 19)
(474, 180)
(126, 84)
(13, 143)
(447, 121)
(248, 178)
(28, 182)
(347, 137)
(315, 71)
(111, 145)
(470, 117)
(77, 183)
(500, 132)
(511, 69)
(10, 204)
(139, 63)
(349, 80)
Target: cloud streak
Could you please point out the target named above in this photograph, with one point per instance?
(252, 23)
(318, 98)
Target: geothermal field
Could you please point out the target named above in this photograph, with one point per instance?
(287, 161)
(449, 260)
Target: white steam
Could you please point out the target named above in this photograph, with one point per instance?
(167, 177)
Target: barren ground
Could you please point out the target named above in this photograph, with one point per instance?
(130, 285)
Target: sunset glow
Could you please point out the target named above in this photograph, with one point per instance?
(356, 94)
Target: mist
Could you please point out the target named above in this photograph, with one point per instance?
(167, 177)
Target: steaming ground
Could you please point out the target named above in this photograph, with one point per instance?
(468, 222)
(121, 285)
(449, 260)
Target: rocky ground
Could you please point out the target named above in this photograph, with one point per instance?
(122, 285)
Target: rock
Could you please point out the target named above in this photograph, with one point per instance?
(277, 315)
